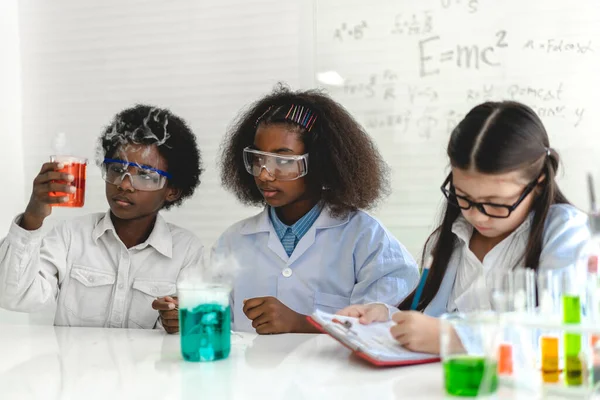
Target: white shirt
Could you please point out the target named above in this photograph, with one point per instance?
(95, 280)
(338, 262)
(465, 286)
(473, 283)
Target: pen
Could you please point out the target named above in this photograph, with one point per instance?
(422, 281)
(591, 192)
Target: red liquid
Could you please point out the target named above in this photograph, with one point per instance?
(75, 199)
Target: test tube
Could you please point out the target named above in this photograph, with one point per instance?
(501, 290)
(548, 292)
(549, 350)
(513, 291)
(523, 283)
(505, 359)
(571, 307)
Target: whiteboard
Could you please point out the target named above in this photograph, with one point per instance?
(410, 70)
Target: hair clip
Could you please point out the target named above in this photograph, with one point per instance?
(262, 116)
(303, 116)
(548, 151)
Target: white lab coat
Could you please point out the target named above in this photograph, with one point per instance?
(338, 262)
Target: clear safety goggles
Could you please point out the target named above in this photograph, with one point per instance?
(281, 167)
(142, 177)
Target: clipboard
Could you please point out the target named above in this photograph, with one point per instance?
(373, 343)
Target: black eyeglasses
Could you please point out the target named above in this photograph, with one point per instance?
(490, 209)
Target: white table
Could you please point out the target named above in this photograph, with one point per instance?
(43, 362)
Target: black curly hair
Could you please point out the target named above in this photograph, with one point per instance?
(145, 124)
(345, 166)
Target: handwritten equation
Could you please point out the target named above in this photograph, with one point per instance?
(423, 111)
(471, 56)
(426, 122)
(413, 24)
(559, 46)
(387, 85)
(488, 92)
(398, 91)
(471, 6)
(350, 31)
(439, 122)
(546, 102)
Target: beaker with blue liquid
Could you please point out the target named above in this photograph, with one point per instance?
(204, 321)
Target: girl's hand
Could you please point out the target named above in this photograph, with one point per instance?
(366, 313)
(417, 332)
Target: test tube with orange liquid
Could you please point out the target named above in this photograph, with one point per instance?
(75, 166)
(549, 349)
(505, 359)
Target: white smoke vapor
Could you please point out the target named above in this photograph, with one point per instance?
(222, 269)
(153, 130)
(213, 269)
(211, 281)
(125, 150)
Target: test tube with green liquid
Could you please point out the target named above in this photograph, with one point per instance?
(572, 344)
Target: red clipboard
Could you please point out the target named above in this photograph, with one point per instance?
(338, 330)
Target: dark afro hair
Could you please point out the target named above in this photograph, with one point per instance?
(144, 124)
(345, 166)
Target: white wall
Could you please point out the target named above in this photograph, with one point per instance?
(11, 152)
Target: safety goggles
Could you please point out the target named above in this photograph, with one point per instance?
(142, 177)
(280, 167)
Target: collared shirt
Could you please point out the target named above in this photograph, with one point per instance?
(565, 235)
(466, 285)
(339, 261)
(291, 235)
(85, 268)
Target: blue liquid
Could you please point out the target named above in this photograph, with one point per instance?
(205, 332)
